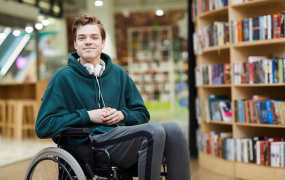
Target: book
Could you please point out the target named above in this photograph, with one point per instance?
(227, 73)
(269, 112)
(216, 113)
(239, 30)
(255, 28)
(268, 153)
(245, 30)
(282, 24)
(256, 105)
(226, 110)
(213, 107)
(255, 147)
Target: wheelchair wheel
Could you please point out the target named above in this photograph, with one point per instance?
(54, 163)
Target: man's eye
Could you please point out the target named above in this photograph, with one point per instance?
(80, 38)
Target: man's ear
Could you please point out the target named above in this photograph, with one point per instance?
(75, 44)
(103, 42)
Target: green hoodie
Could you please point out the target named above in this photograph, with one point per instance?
(72, 92)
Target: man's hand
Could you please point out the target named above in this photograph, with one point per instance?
(106, 116)
(113, 116)
(97, 115)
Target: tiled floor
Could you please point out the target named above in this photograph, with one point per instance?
(14, 151)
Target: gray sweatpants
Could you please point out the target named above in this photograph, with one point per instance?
(146, 144)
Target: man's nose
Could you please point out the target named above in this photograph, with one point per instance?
(88, 40)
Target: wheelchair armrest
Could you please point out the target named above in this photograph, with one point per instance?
(76, 132)
(73, 132)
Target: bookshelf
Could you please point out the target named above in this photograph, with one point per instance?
(151, 65)
(233, 52)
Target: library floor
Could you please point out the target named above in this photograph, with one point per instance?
(15, 156)
(17, 170)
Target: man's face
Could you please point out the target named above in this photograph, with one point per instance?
(89, 43)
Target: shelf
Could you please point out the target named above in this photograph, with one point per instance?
(232, 53)
(254, 171)
(220, 122)
(259, 85)
(260, 125)
(150, 65)
(255, 3)
(215, 86)
(216, 164)
(259, 43)
(215, 13)
(216, 48)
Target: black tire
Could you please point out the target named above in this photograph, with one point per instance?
(54, 163)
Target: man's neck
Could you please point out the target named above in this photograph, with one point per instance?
(94, 61)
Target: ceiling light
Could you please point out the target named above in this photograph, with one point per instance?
(159, 12)
(29, 29)
(16, 32)
(40, 17)
(98, 3)
(45, 22)
(39, 26)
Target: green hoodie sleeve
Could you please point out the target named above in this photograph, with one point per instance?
(53, 116)
(135, 111)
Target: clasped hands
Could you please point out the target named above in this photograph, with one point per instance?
(108, 116)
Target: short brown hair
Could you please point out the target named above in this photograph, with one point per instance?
(82, 20)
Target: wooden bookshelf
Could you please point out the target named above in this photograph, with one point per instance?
(216, 164)
(34, 91)
(221, 122)
(239, 52)
(253, 171)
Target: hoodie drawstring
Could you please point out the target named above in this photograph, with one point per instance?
(100, 94)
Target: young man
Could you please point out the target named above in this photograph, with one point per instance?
(95, 93)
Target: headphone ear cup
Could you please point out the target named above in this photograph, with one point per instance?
(98, 71)
(89, 67)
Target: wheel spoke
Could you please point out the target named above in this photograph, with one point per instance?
(54, 163)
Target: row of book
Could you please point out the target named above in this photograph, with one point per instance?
(217, 34)
(239, 1)
(201, 6)
(260, 109)
(213, 74)
(209, 5)
(215, 108)
(258, 28)
(259, 150)
(267, 71)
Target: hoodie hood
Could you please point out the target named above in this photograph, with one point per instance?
(73, 63)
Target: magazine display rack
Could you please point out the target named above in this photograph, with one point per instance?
(231, 52)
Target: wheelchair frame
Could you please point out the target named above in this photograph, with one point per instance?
(81, 169)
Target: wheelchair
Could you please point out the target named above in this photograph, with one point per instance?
(76, 162)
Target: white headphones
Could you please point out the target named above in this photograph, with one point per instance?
(96, 71)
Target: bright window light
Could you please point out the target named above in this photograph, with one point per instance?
(159, 12)
(98, 3)
(2, 35)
